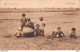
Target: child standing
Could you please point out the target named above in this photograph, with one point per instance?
(23, 21)
(42, 25)
(73, 33)
(59, 33)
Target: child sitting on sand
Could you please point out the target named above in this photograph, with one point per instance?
(59, 33)
(42, 25)
(18, 33)
(37, 30)
(73, 33)
(53, 34)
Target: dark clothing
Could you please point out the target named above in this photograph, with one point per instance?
(60, 34)
(53, 34)
(23, 22)
(22, 25)
(42, 33)
(30, 24)
(72, 35)
(38, 32)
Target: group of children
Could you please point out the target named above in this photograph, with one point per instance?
(26, 22)
(39, 28)
(60, 34)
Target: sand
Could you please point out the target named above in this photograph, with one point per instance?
(10, 21)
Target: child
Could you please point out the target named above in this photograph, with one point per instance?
(53, 34)
(29, 23)
(23, 21)
(42, 25)
(37, 30)
(59, 33)
(18, 32)
(73, 33)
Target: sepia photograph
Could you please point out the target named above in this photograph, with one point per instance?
(39, 24)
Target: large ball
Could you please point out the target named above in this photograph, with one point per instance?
(27, 30)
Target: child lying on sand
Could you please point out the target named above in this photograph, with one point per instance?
(29, 23)
(18, 33)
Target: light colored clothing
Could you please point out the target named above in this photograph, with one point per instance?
(42, 25)
(18, 33)
(23, 20)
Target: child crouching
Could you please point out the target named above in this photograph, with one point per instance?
(37, 30)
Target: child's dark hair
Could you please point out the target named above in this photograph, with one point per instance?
(41, 18)
(74, 29)
(23, 15)
(37, 25)
(29, 19)
(59, 28)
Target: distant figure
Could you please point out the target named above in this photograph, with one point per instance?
(73, 33)
(59, 33)
(42, 25)
(29, 23)
(37, 30)
(23, 21)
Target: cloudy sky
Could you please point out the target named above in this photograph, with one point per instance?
(39, 3)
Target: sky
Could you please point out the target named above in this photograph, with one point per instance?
(39, 3)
